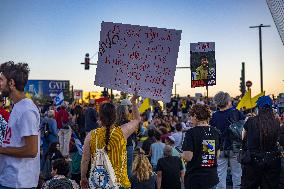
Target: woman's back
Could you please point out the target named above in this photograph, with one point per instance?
(116, 153)
(263, 133)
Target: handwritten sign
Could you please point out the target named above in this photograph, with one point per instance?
(203, 64)
(138, 58)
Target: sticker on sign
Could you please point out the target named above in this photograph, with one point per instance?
(138, 59)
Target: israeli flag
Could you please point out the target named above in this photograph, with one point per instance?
(59, 99)
(78, 143)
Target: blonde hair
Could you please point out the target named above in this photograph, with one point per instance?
(141, 167)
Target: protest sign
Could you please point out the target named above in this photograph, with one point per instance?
(138, 59)
(202, 64)
(78, 94)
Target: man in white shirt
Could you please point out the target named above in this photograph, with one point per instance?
(19, 154)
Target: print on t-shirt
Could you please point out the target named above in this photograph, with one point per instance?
(208, 153)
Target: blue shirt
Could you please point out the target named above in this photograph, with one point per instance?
(222, 120)
(157, 152)
(91, 119)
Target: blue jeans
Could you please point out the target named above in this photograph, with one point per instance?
(222, 169)
(4, 187)
(129, 160)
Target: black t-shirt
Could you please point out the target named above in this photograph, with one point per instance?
(253, 135)
(171, 168)
(148, 184)
(204, 142)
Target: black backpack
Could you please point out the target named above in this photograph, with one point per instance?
(235, 130)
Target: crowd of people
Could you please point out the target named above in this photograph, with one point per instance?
(191, 143)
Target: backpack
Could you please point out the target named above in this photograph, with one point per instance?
(102, 173)
(235, 131)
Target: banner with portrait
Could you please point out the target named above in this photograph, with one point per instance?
(202, 64)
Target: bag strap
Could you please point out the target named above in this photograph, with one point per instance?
(97, 138)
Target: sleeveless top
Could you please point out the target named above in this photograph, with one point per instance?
(117, 153)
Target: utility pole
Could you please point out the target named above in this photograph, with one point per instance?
(260, 52)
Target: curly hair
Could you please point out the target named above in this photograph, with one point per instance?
(222, 99)
(202, 112)
(141, 167)
(18, 72)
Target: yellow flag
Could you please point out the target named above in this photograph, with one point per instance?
(255, 98)
(245, 101)
(145, 105)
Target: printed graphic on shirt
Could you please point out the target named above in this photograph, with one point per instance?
(3, 127)
(8, 136)
(208, 153)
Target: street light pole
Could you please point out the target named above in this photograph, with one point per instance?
(260, 52)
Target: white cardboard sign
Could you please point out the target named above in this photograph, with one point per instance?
(138, 58)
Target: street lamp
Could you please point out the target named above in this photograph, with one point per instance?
(260, 52)
(176, 89)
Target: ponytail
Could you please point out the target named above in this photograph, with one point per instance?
(107, 138)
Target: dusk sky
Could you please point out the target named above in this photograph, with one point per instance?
(54, 35)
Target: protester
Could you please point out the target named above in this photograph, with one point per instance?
(261, 134)
(113, 140)
(149, 141)
(20, 149)
(178, 135)
(60, 170)
(80, 122)
(201, 148)
(65, 131)
(91, 120)
(156, 150)
(76, 158)
(143, 176)
(222, 119)
(123, 118)
(170, 173)
(52, 154)
(49, 130)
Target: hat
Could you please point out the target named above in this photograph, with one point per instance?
(171, 138)
(264, 101)
(125, 102)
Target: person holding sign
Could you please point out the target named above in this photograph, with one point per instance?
(113, 139)
(202, 70)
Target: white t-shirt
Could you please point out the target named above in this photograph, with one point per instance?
(21, 172)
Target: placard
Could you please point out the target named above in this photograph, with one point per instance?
(202, 64)
(78, 94)
(138, 59)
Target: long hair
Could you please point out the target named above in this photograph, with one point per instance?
(141, 167)
(107, 116)
(269, 127)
